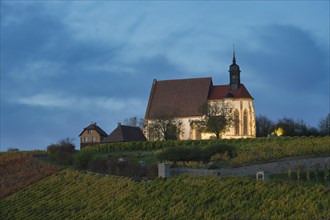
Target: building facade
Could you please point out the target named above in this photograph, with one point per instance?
(183, 98)
(92, 135)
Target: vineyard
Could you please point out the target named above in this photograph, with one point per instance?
(71, 194)
(239, 143)
(278, 148)
(245, 151)
(20, 169)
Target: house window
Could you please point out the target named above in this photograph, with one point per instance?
(236, 122)
(90, 131)
(94, 139)
(245, 123)
(85, 139)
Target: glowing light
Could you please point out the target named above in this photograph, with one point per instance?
(278, 131)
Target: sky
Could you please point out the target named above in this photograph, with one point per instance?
(67, 63)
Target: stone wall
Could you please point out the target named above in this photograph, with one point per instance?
(271, 168)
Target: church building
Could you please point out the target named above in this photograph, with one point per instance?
(183, 98)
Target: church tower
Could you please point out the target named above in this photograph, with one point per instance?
(234, 75)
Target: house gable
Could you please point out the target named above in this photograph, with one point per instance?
(93, 126)
(92, 135)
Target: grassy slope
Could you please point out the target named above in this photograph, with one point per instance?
(248, 151)
(20, 169)
(76, 195)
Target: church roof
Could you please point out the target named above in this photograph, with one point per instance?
(178, 98)
(223, 91)
(125, 133)
(184, 97)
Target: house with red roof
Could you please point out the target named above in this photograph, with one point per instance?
(183, 98)
(94, 135)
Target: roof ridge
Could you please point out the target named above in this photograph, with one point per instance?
(95, 127)
(198, 78)
(221, 91)
(150, 99)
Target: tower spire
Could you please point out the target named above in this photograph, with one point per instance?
(234, 74)
(234, 58)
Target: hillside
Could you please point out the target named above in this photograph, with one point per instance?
(20, 169)
(71, 194)
(219, 153)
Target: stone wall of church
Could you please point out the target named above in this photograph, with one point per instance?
(241, 105)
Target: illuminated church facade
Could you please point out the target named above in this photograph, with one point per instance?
(182, 99)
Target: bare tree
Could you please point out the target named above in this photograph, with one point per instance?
(218, 117)
(134, 121)
(324, 125)
(264, 126)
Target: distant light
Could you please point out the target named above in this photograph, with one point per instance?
(278, 131)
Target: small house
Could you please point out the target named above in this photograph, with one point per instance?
(124, 133)
(92, 135)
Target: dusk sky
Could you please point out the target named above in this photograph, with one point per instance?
(66, 63)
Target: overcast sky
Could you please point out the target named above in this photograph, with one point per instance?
(64, 64)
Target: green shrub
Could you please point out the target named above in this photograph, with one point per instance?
(220, 157)
(81, 159)
(62, 152)
(179, 153)
(213, 149)
(193, 153)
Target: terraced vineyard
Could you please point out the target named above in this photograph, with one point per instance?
(71, 194)
(247, 151)
(19, 169)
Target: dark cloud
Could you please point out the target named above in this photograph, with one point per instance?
(290, 59)
(291, 74)
(40, 37)
(27, 36)
(38, 44)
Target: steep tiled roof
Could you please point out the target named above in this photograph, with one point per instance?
(223, 91)
(93, 126)
(178, 98)
(125, 133)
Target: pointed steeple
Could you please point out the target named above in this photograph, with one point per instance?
(234, 74)
(234, 58)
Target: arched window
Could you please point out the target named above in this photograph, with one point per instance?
(236, 122)
(245, 123)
